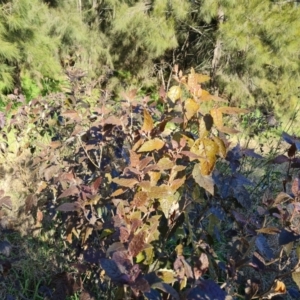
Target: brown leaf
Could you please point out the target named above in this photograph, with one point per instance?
(50, 172)
(118, 192)
(39, 216)
(30, 202)
(55, 144)
(72, 114)
(268, 230)
(148, 122)
(137, 244)
(282, 197)
(144, 162)
(140, 198)
(113, 120)
(134, 159)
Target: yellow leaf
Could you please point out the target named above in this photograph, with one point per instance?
(106, 232)
(140, 257)
(149, 255)
(155, 144)
(87, 232)
(179, 249)
(296, 278)
(207, 150)
(167, 276)
(192, 79)
(177, 183)
(228, 130)
(221, 145)
(206, 96)
(174, 93)
(191, 107)
(217, 117)
(279, 287)
(206, 182)
(210, 148)
(183, 283)
(159, 191)
(167, 202)
(165, 163)
(205, 125)
(148, 122)
(128, 182)
(202, 78)
(207, 165)
(179, 135)
(154, 177)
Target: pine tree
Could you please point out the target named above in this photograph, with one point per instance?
(257, 57)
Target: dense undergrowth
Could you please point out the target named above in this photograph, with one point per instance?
(143, 199)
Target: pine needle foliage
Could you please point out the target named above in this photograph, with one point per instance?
(259, 64)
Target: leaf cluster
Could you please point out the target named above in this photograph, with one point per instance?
(152, 198)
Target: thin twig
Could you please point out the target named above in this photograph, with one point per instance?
(86, 153)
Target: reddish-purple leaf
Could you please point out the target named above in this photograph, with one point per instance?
(71, 191)
(141, 284)
(112, 270)
(166, 288)
(6, 202)
(287, 236)
(296, 187)
(292, 150)
(2, 120)
(280, 159)
(66, 207)
(95, 185)
(207, 289)
(295, 163)
(124, 234)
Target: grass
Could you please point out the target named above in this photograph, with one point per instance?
(32, 264)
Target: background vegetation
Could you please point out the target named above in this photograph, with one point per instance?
(120, 119)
